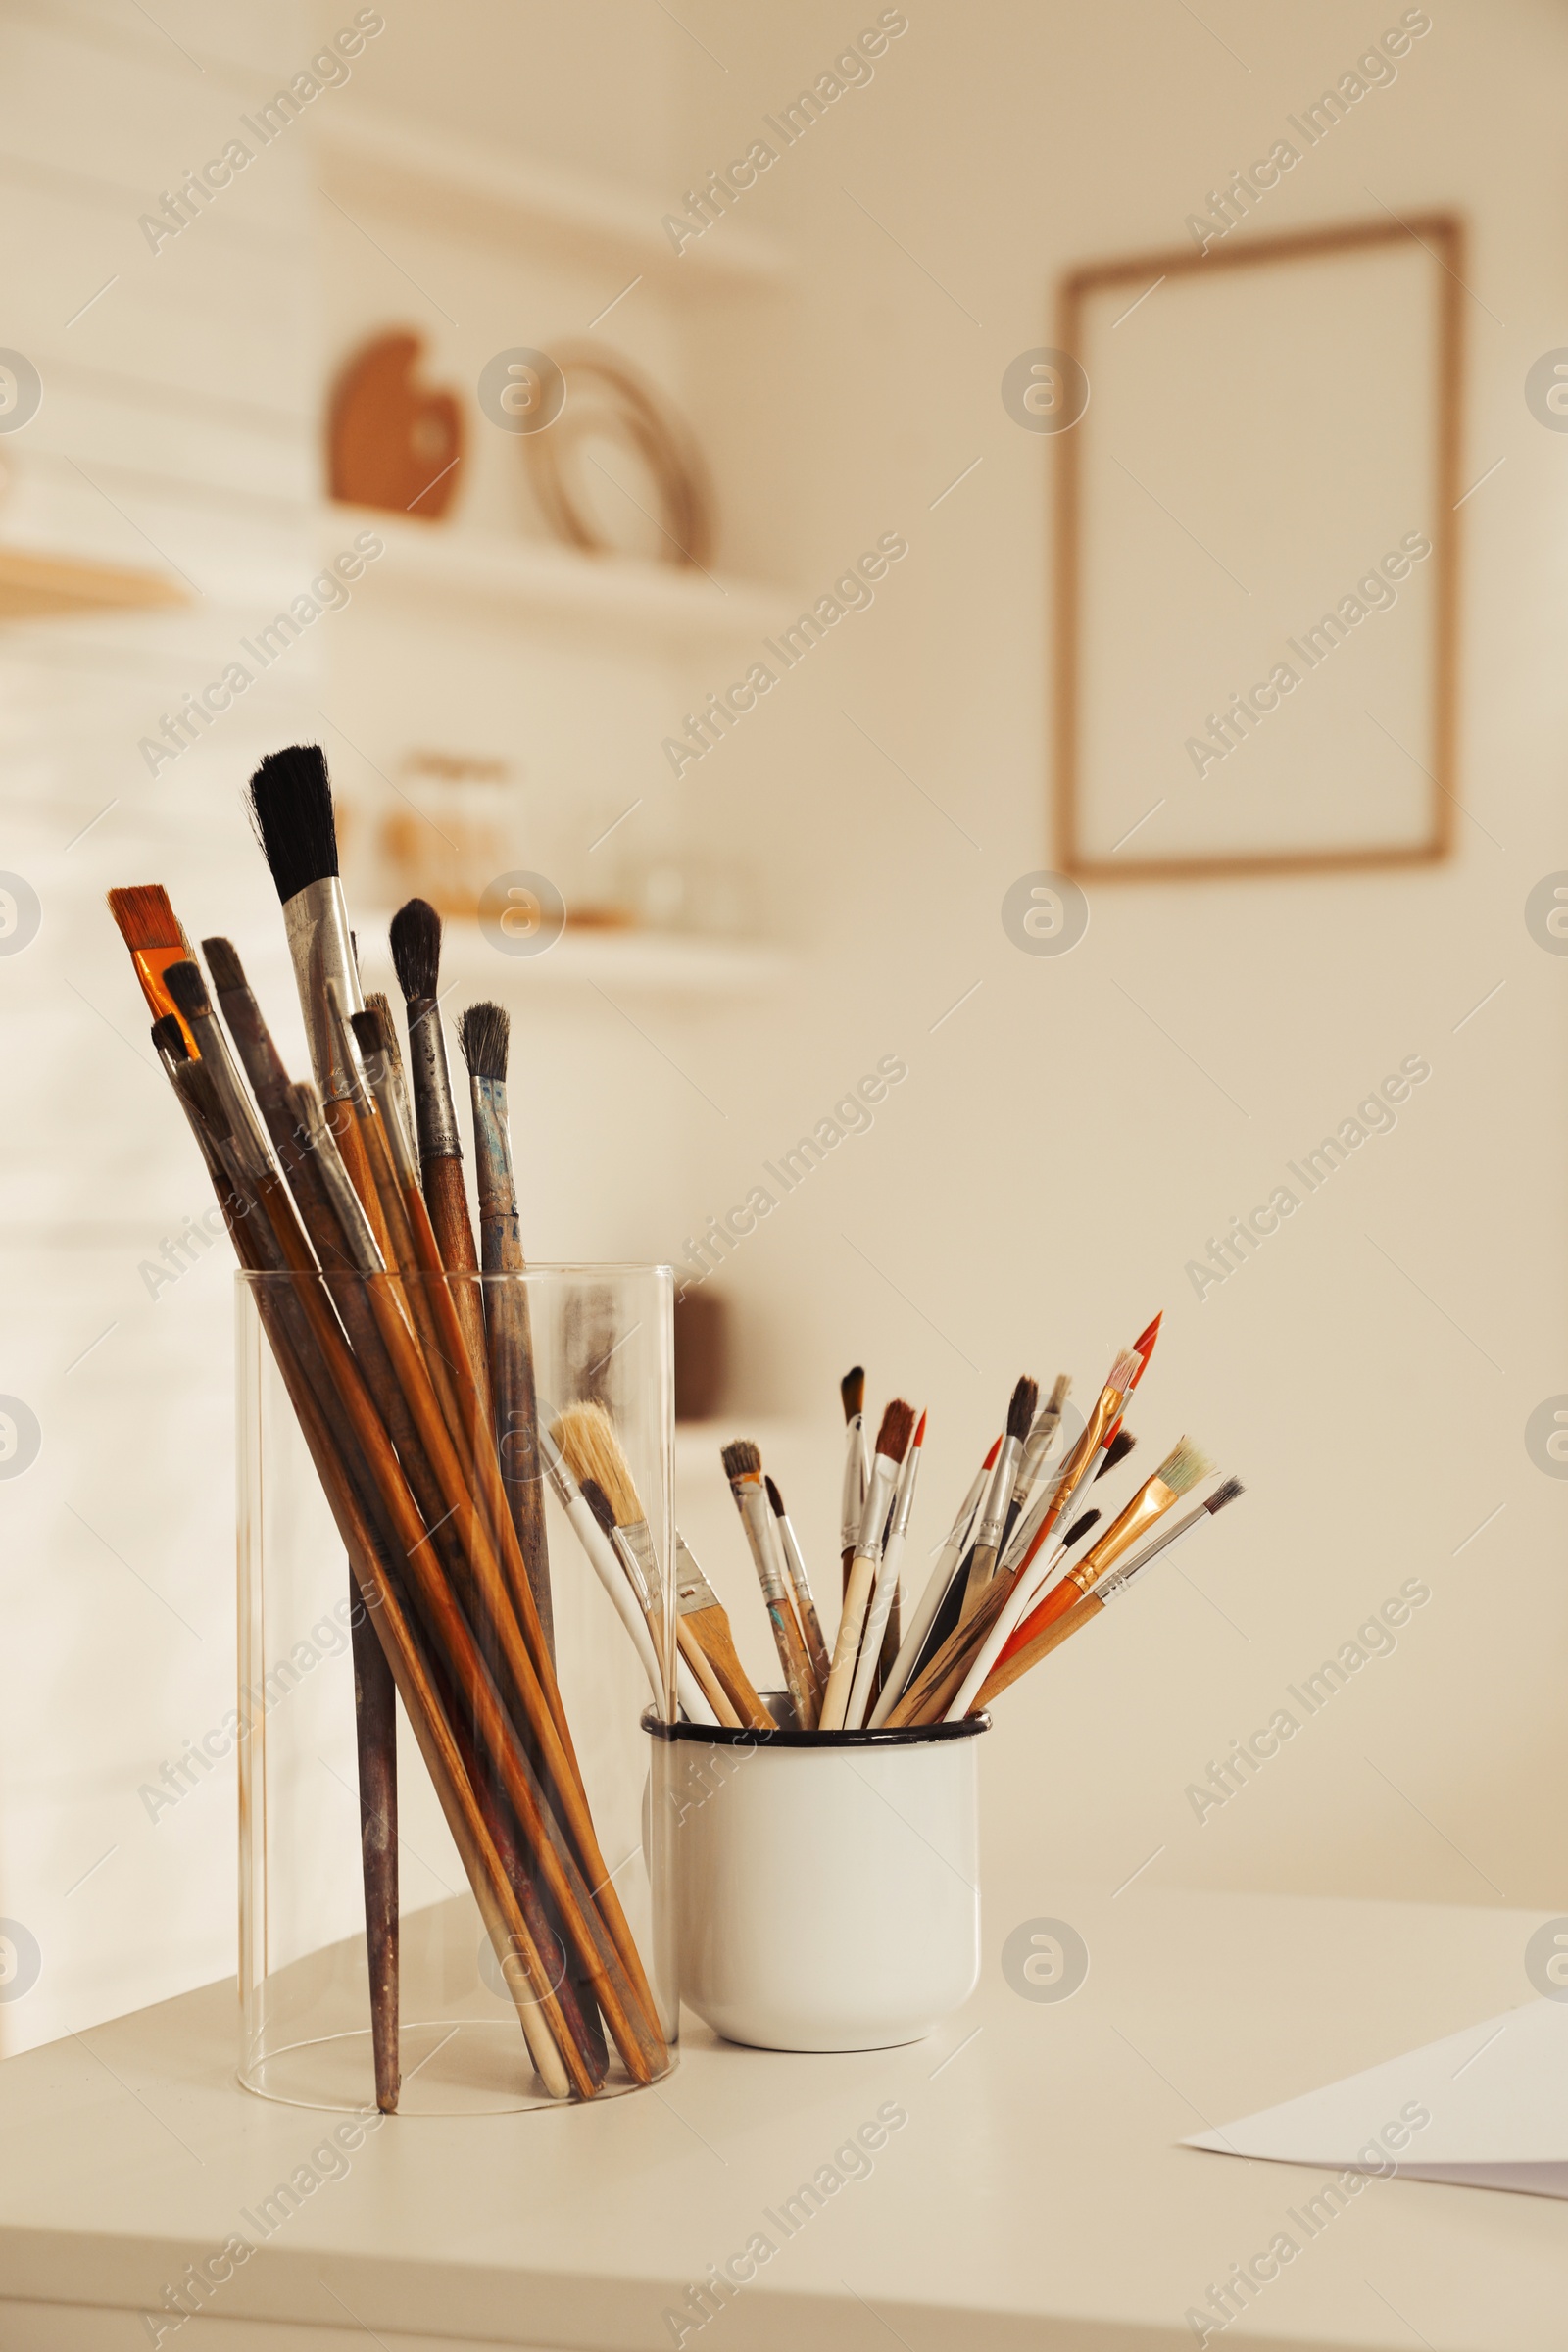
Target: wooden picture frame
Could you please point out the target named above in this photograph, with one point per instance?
(1439, 236)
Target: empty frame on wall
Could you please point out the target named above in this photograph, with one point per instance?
(1256, 583)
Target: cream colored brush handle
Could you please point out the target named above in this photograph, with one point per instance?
(846, 1648)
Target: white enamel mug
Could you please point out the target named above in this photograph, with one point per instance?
(826, 1885)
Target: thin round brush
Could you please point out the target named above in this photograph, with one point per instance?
(892, 1445)
(992, 1524)
(800, 1587)
(857, 1470)
(884, 1591)
(414, 938)
(911, 1657)
(484, 1033)
(743, 1467)
(290, 800)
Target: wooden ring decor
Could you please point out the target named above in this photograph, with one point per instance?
(607, 398)
(392, 441)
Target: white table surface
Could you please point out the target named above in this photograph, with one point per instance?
(1036, 2196)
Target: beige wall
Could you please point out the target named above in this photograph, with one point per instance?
(1057, 1153)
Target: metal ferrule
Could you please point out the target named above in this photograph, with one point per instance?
(854, 1477)
(992, 1518)
(646, 1600)
(751, 1501)
(1131, 1570)
(640, 1543)
(492, 1155)
(873, 1518)
(316, 920)
(692, 1588)
(435, 1111)
(1150, 1502)
(346, 1206)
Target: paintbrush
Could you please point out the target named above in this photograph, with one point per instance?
(593, 1452)
(892, 1445)
(1004, 1477)
(290, 801)
(1110, 1587)
(884, 1592)
(485, 1032)
(1056, 1496)
(608, 1566)
(414, 938)
(1176, 1476)
(800, 1589)
(852, 1393)
(920, 1643)
(705, 1640)
(743, 1467)
(149, 929)
(929, 1699)
(700, 1697)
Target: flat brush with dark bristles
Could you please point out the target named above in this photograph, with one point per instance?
(857, 1469)
(1001, 1507)
(414, 938)
(1110, 1587)
(484, 1033)
(892, 1445)
(290, 801)
(146, 923)
(743, 1467)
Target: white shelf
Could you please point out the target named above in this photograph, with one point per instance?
(641, 963)
(473, 189)
(441, 560)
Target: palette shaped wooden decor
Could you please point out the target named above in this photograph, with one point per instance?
(392, 441)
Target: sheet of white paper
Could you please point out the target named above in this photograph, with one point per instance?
(1495, 2099)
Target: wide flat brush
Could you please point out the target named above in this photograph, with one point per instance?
(743, 1467)
(593, 1452)
(416, 942)
(148, 927)
(485, 1035)
(892, 1445)
(704, 1630)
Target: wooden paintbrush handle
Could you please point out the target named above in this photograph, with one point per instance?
(1003, 1675)
(376, 1729)
(797, 1665)
(708, 1681)
(709, 1633)
(449, 1217)
(953, 1660)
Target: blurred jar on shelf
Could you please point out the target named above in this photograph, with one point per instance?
(454, 826)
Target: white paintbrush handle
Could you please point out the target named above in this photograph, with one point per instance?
(847, 1647)
(608, 1568)
(1026, 1592)
(876, 1625)
(931, 1599)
